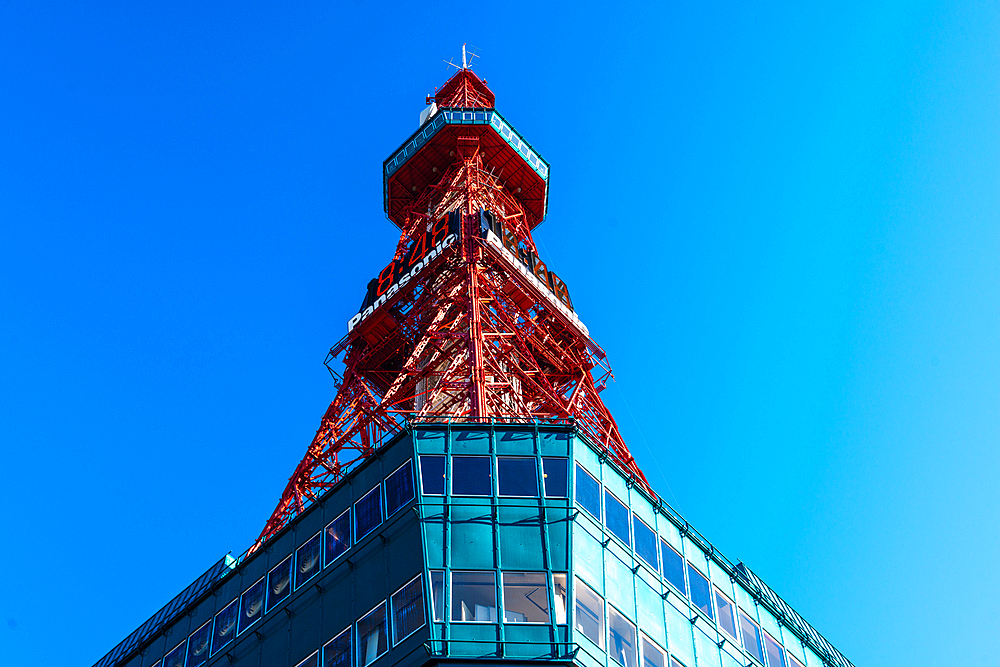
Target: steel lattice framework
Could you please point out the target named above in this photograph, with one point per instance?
(470, 337)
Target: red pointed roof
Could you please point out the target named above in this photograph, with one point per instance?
(465, 89)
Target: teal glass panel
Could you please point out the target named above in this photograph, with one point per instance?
(730, 661)
(792, 660)
(554, 443)
(588, 557)
(708, 650)
(521, 545)
(619, 584)
(471, 532)
(668, 531)
(474, 640)
(679, 639)
(768, 622)
(615, 483)
(515, 442)
(746, 602)
(470, 442)
(642, 508)
(528, 641)
(720, 579)
(792, 644)
(430, 442)
(586, 456)
(649, 613)
(812, 660)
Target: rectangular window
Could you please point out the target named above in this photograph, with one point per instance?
(437, 594)
(373, 638)
(701, 591)
(652, 656)
(673, 566)
(176, 657)
(588, 492)
(525, 597)
(751, 637)
(775, 653)
(559, 580)
(554, 474)
(198, 644)
(307, 560)
(279, 583)
(398, 489)
(727, 620)
(368, 513)
(645, 542)
(311, 661)
(617, 517)
(517, 477)
(471, 476)
(337, 651)
(474, 596)
(589, 613)
(338, 537)
(251, 605)
(793, 661)
(225, 626)
(621, 645)
(407, 610)
(432, 475)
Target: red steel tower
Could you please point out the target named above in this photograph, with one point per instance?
(466, 323)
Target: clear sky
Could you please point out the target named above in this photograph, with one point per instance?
(781, 222)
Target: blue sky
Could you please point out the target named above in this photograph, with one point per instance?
(781, 222)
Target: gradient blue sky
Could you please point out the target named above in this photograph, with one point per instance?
(780, 221)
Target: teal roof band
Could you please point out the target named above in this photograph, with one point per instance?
(450, 116)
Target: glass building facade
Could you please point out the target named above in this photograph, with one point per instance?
(503, 543)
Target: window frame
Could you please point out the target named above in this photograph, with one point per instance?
(602, 630)
(759, 655)
(444, 593)
(208, 656)
(392, 611)
(385, 486)
(268, 603)
(314, 654)
(635, 634)
(548, 595)
(708, 583)
(239, 630)
(643, 640)
(350, 645)
(350, 536)
(600, 496)
(663, 567)
(385, 624)
(450, 591)
(215, 619)
(545, 490)
(444, 476)
(182, 647)
(732, 614)
(628, 517)
(656, 546)
(316, 570)
(781, 649)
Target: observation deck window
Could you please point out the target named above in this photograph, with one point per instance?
(398, 489)
(559, 581)
(474, 596)
(517, 477)
(775, 654)
(432, 475)
(225, 626)
(311, 661)
(727, 620)
(338, 537)
(307, 560)
(673, 566)
(407, 610)
(588, 492)
(751, 637)
(368, 513)
(176, 657)
(198, 645)
(622, 647)
(437, 594)
(279, 583)
(471, 476)
(793, 661)
(554, 476)
(701, 590)
(617, 517)
(373, 638)
(337, 651)
(645, 542)
(589, 613)
(525, 597)
(251, 605)
(652, 656)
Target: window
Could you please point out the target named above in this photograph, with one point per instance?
(554, 474)
(311, 661)
(652, 656)
(645, 542)
(437, 594)
(471, 476)
(337, 651)
(559, 579)
(198, 644)
(517, 477)
(368, 513)
(307, 560)
(407, 610)
(622, 639)
(279, 582)
(751, 637)
(398, 489)
(525, 597)
(432, 475)
(338, 537)
(793, 661)
(701, 591)
(673, 566)
(251, 605)
(674, 662)
(589, 613)
(474, 596)
(617, 517)
(588, 492)
(225, 626)
(373, 640)
(176, 657)
(726, 620)
(775, 654)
